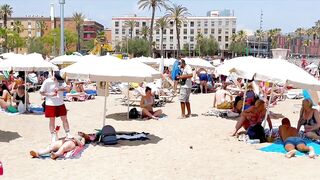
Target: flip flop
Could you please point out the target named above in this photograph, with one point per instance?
(34, 154)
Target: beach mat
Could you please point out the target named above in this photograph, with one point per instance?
(277, 147)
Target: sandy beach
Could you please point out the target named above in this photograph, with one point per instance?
(195, 148)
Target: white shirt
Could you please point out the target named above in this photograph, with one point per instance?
(48, 86)
(187, 71)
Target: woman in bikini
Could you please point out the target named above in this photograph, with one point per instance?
(309, 118)
(58, 148)
(146, 105)
(5, 97)
(252, 116)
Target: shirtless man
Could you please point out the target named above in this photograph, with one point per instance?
(292, 141)
(220, 95)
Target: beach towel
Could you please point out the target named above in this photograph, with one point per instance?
(36, 109)
(131, 136)
(74, 154)
(278, 147)
(8, 113)
(91, 92)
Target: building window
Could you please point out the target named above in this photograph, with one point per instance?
(171, 38)
(157, 40)
(226, 32)
(171, 23)
(227, 45)
(227, 23)
(116, 31)
(206, 24)
(137, 24)
(219, 38)
(123, 31)
(158, 31)
(164, 39)
(185, 31)
(212, 23)
(191, 38)
(226, 38)
(171, 31)
(233, 30)
(234, 23)
(144, 24)
(164, 46)
(219, 31)
(137, 32)
(116, 24)
(191, 24)
(164, 31)
(185, 37)
(220, 23)
(191, 31)
(199, 23)
(29, 23)
(205, 31)
(212, 31)
(185, 25)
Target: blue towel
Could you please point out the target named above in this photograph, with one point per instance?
(278, 147)
(91, 92)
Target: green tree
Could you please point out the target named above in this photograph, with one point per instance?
(130, 24)
(300, 32)
(78, 18)
(137, 47)
(145, 31)
(199, 38)
(185, 49)
(41, 26)
(5, 12)
(306, 44)
(177, 13)
(162, 24)
(52, 40)
(153, 5)
(36, 45)
(18, 27)
(209, 46)
(14, 41)
(238, 43)
(289, 41)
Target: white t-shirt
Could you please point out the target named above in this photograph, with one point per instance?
(187, 71)
(48, 86)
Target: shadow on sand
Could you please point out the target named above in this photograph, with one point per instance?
(7, 136)
(123, 116)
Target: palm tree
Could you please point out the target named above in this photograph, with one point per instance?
(145, 31)
(288, 42)
(306, 44)
(199, 38)
(178, 14)
(130, 24)
(78, 18)
(41, 25)
(5, 11)
(152, 4)
(18, 27)
(273, 35)
(162, 24)
(242, 36)
(300, 32)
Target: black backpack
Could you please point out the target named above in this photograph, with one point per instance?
(133, 113)
(108, 135)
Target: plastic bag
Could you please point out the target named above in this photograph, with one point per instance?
(21, 108)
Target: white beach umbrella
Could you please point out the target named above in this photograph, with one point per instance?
(8, 55)
(145, 60)
(198, 63)
(166, 62)
(312, 66)
(110, 69)
(66, 59)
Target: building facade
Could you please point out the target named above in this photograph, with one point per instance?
(217, 25)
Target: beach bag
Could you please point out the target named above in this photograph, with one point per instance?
(12, 109)
(108, 135)
(257, 132)
(133, 113)
(225, 105)
(21, 108)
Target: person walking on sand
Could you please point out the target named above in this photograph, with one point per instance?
(53, 88)
(291, 140)
(185, 88)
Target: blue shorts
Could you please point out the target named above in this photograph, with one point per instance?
(203, 77)
(294, 141)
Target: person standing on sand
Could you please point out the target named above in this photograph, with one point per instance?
(185, 89)
(291, 140)
(53, 88)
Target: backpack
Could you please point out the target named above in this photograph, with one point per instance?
(133, 113)
(108, 135)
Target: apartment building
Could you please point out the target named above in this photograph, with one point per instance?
(219, 25)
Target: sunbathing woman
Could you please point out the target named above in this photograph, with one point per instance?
(146, 104)
(58, 148)
(252, 116)
(309, 118)
(20, 95)
(5, 97)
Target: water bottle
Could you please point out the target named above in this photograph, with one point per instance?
(1, 169)
(253, 141)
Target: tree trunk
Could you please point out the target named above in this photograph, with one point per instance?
(178, 39)
(78, 41)
(151, 31)
(131, 35)
(161, 44)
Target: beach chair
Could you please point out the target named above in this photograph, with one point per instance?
(129, 97)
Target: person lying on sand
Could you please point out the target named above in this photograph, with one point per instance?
(58, 148)
(292, 142)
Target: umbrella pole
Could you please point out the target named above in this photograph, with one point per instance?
(244, 95)
(269, 102)
(128, 100)
(25, 90)
(105, 105)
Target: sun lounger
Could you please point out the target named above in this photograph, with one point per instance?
(129, 97)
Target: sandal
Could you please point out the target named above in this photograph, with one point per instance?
(54, 156)
(34, 154)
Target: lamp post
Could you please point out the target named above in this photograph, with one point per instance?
(247, 49)
(62, 2)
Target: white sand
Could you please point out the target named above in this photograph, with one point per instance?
(214, 154)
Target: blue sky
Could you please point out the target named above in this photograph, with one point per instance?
(284, 14)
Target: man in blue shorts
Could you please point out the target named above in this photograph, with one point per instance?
(291, 140)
